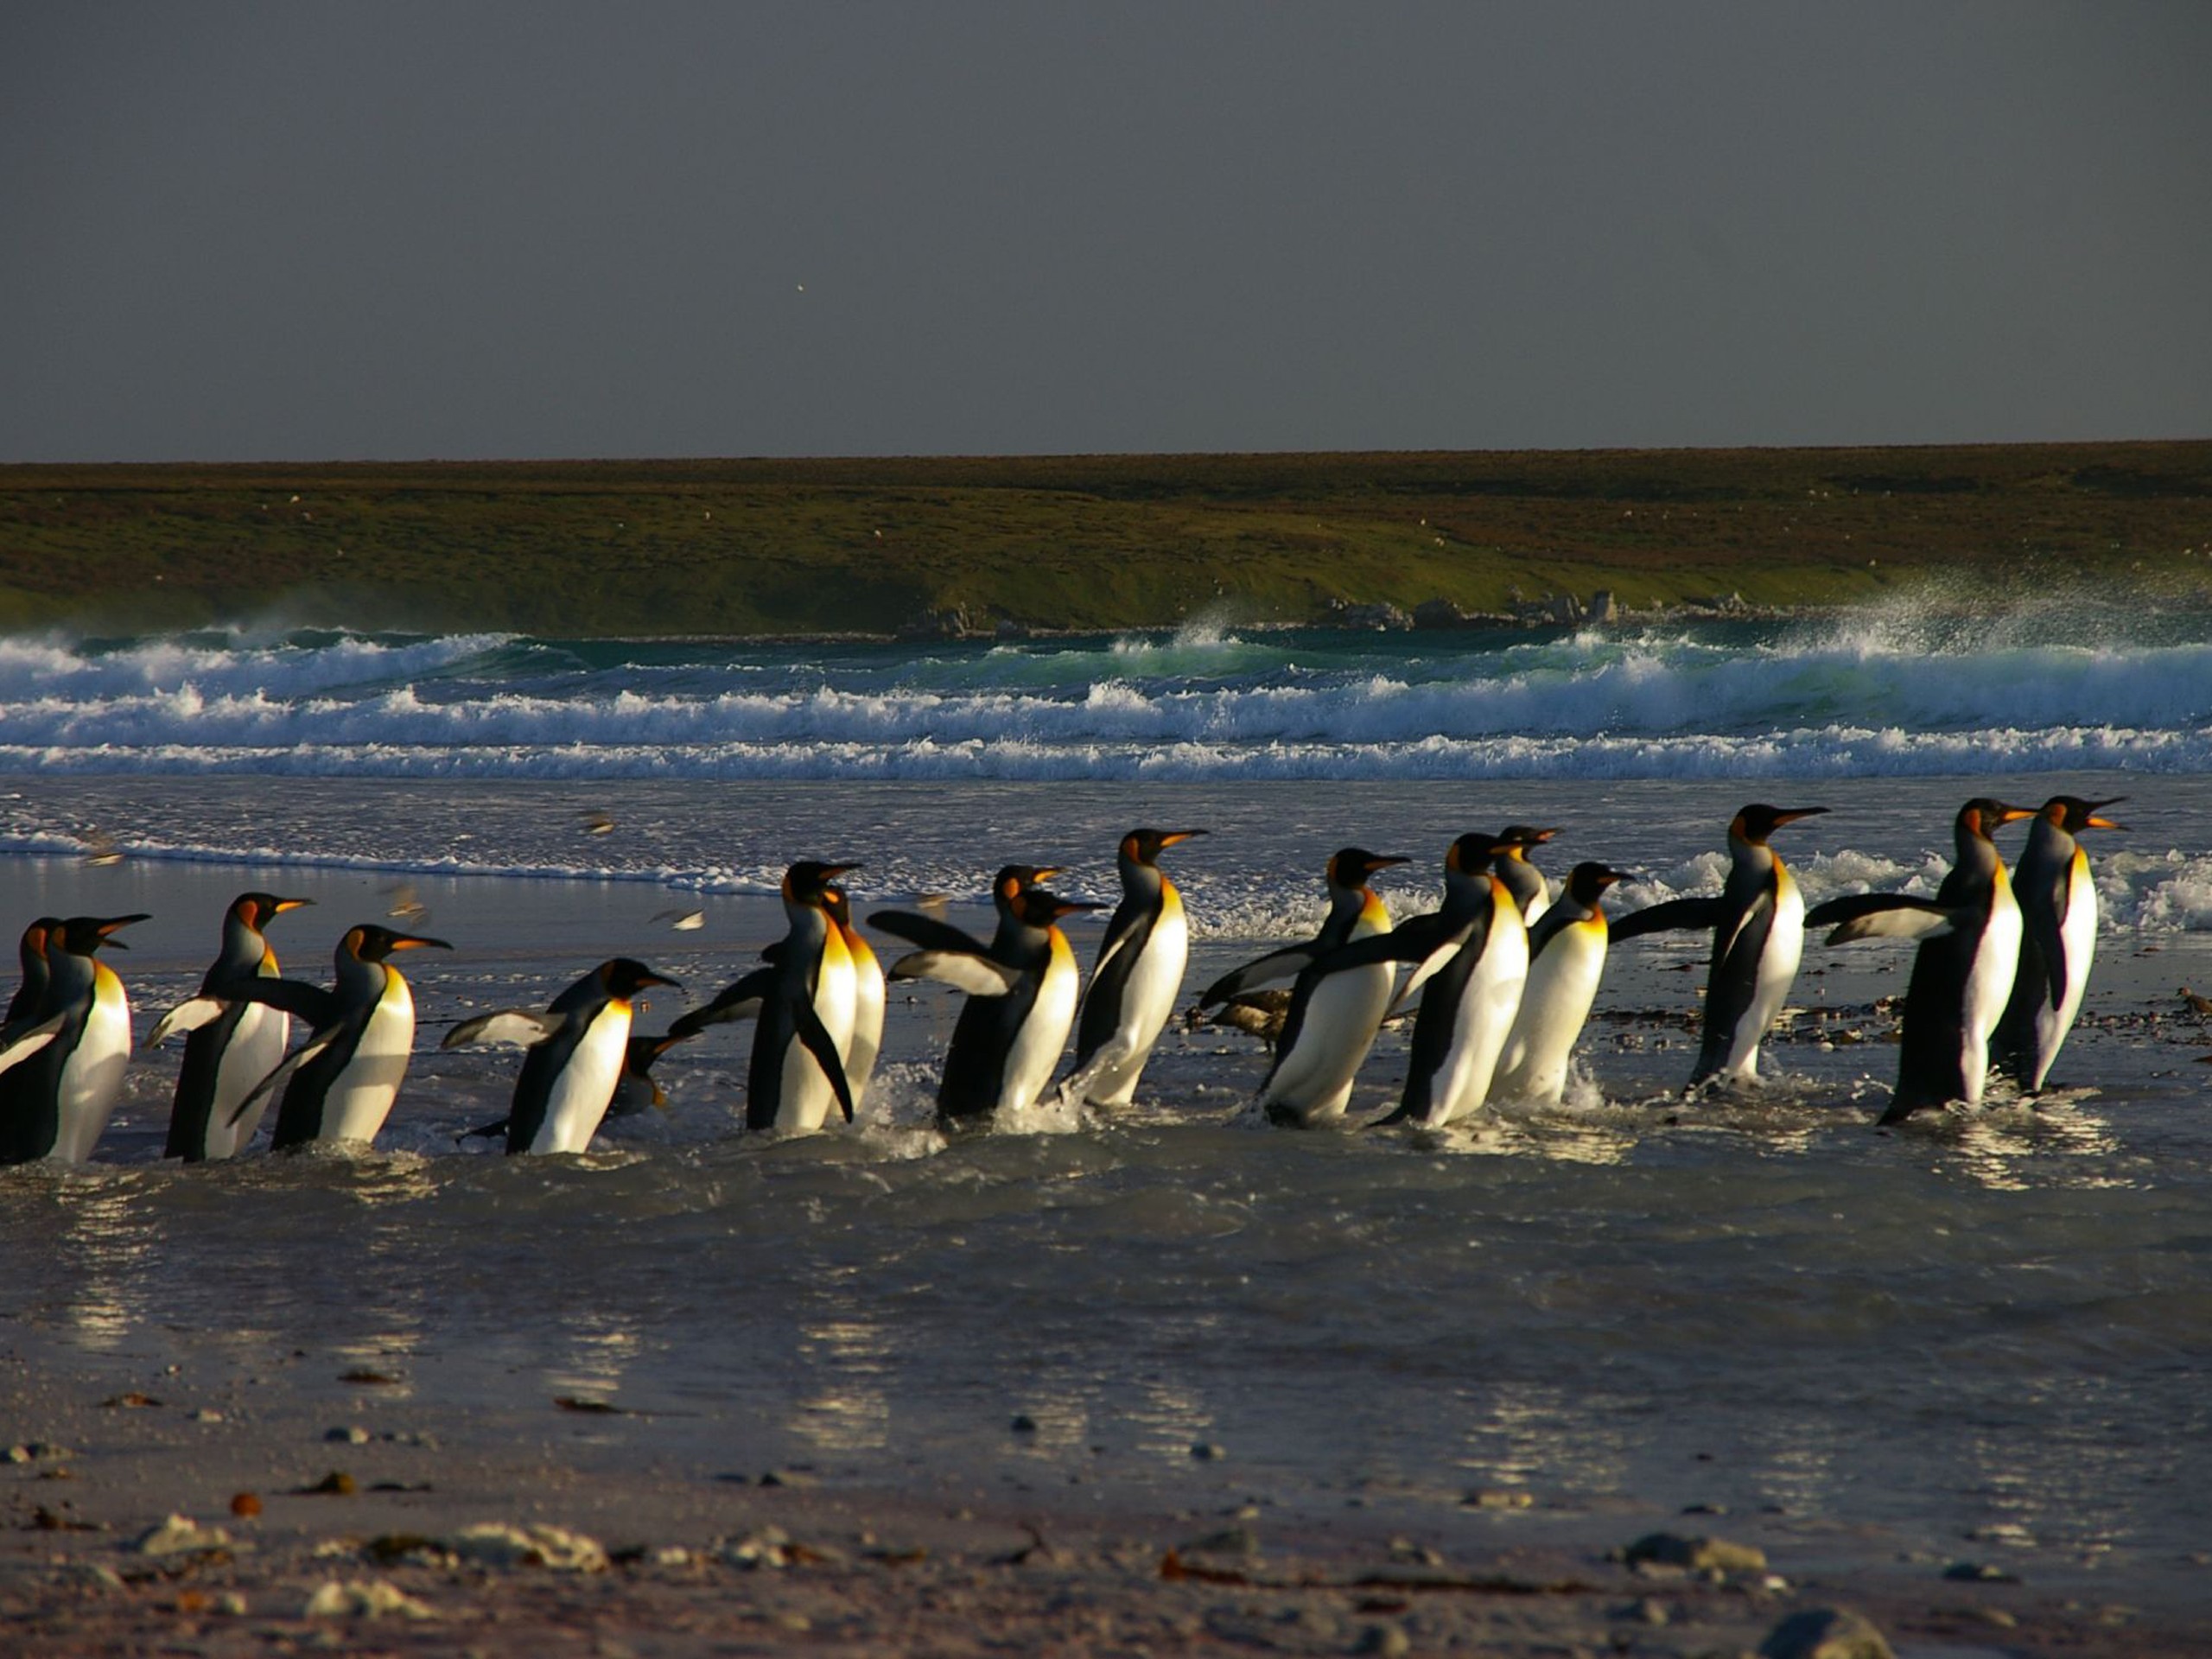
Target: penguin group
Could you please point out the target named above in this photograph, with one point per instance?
(1498, 981)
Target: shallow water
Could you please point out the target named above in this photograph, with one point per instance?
(1981, 1337)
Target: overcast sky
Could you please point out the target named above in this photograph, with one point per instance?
(519, 228)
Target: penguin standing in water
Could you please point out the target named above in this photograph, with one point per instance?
(1757, 924)
(234, 1044)
(1473, 954)
(866, 1044)
(62, 1062)
(1309, 1082)
(1962, 973)
(1138, 975)
(340, 1084)
(578, 1050)
(1523, 879)
(2058, 914)
(1566, 959)
(1021, 993)
(804, 1002)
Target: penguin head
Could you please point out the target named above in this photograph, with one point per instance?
(1757, 821)
(808, 881)
(625, 976)
(2073, 815)
(33, 948)
(1145, 846)
(258, 910)
(1035, 907)
(1518, 838)
(1353, 867)
(1587, 883)
(370, 942)
(82, 935)
(1980, 817)
(1014, 879)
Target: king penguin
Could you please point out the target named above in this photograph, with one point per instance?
(340, 1084)
(1021, 990)
(1961, 975)
(578, 1050)
(30, 952)
(1757, 924)
(2059, 915)
(1473, 957)
(804, 1003)
(1138, 976)
(865, 1044)
(1566, 959)
(234, 1044)
(1523, 879)
(61, 1063)
(1310, 1083)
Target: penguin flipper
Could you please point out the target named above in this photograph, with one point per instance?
(741, 1000)
(523, 1028)
(312, 1003)
(1287, 963)
(23, 1044)
(1675, 913)
(924, 931)
(820, 1044)
(291, 1063)
(187, 1016)
(971, 971)
(1881, 916)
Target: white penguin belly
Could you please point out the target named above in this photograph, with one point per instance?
(1777, 972)
(1036, 1049)
(1988, 987)
(806, 1099)
(1147, 1001)
(256, 1046)
(1342, 1016)
(360, 1098)
(578, 1099)
(868, 1028)
(2078, 935)
(91, 1077)
(1554, 1003)
(1483, 1019)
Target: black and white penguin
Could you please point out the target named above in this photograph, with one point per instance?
(1138, 975)
(1961, 975)
(2058, 916)
(1758, 925)
(1021, 990)
(579, 1048)
(1523, 879)
(234, 1044)
(1473, 957)
(804, 1002)
(62, 1062)
(864, 1046)
(1566, 959)
(340, 1084)
(30, 952)
(1309, 1082)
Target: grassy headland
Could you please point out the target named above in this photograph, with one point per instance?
(579, 549)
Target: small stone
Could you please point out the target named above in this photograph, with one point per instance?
(555, 1548)
(93, 1575)
(1997, 1618)
(363, 1599)
(18, 1453)
(1696, 1554)
(790, 1477)
(336, 1484)
(207, 1414)
(230, 1605)
(1499, 1497)
(1389, 1640)
(1979, 1573)
(245, 1505)
(769, 1546)
(1208, 1451)
(181, 1536)
(671, 1555)
(1229, 1540)
(1825, 1633)
(350, 1435)
(1023, 1423)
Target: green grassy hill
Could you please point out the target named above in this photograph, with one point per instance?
(738, 547)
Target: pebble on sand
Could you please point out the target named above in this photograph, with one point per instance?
(1825, 1633)
(1698, 1555)
(497, 1544)
(364, 1598)
(181, 1536)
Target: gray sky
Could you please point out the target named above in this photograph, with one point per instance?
(519, 228)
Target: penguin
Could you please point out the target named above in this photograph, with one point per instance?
(1566, 959)
(804, 1001)
(1523, 879)
(30, 952)
(2058, 915)
(340, 1084)
(1022, 988)
(62, 1062)
(866, 1044)
(232, 1046)
(1473, 953)
(636, 1089)
(1138, 974)
(578, 1050)
(1962, 973)
(1759, 935)
(1310, 1083)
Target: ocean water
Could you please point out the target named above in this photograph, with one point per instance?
(1986, 1335)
